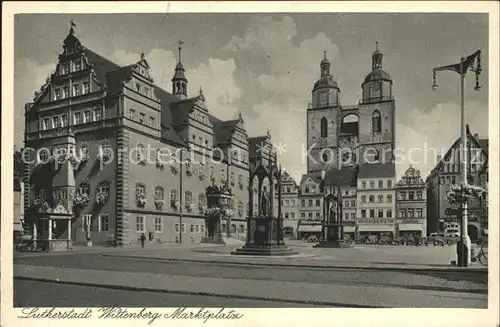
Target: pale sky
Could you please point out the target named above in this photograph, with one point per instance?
(266, 64)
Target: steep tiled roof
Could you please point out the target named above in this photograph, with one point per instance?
(377, 170)
(315, 176)
(346, 176)
(101, 65)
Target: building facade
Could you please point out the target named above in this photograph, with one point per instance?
(411, 203)
(289, 204)
(447, 172)
(135, 158)
(376, 200)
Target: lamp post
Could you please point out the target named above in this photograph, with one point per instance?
(462, 68)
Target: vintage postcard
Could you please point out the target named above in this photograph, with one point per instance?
(240, 163)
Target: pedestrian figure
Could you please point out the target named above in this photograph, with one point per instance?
(143, 239)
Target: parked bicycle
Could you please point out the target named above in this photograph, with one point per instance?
(482, 256)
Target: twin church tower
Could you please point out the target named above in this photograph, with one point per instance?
(339, 135)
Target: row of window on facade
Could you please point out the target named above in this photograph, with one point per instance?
(142, 118)
(60, 93)
(380, 213)
(411, 213)
(87, 116)
(411, 195)
(102, 222)
(380, 184)
(376, 124)
(288, 203)
(71, 66)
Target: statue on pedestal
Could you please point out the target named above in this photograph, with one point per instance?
(264, 202)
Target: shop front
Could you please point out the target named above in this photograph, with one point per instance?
(376, 228)
(306, 231)
(349, 230)
(412, 228)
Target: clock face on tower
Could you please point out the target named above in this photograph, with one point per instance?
(375, 90)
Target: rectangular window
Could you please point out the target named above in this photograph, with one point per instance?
(371, 198)
(292, 215)
(403, 213)
(364, 184)
(389, 213)
(64, 69)
(46, 124)
(141, 118)
(158, 225)
(363, 199)
(151, 122)
(389, 198)
(103, 223)
(77, 90)
(372, 184)
(381, 214)
(411, 213)
(202, 228)
(65, 92)
(380, 198)
(372, 213)
(453, 180)
(78, 118)
(97, 114)
(286, 215)
(403, 195)
(177, 228)
(131, 114)
(87, 118)
(441, 180)
(380, 184)
(197, 228)
(56, 122)
(302, 203)
(57, 94)
(419, 213)
(353, 215)
(346, 216)
(363, 213)
(183, 228)
(77, 65)
(191, 228)
(303, 215)
(317, 214)
(64, 120)
(419, 195)
(309, 214)
(353, 203)
(346, 204)
(389, 184)
(411, 195)
(318, 203)
(86, 88)
(310, 203)
(139, 224)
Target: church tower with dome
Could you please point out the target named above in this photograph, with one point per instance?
(322, 121)
(377, 111)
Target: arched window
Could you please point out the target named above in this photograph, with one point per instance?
(376, 122)
(324, 127)
(84, 150)
(325, 158)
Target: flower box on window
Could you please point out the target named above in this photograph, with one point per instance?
(189, 207)
(103, 156)
(101, 197)
(202, 207)
(141, 199)
(159, 163)
(159, 203)
(174, 167)
(81, 200)
(175, 204)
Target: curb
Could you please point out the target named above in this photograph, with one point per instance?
(400, 269)
(160, 290)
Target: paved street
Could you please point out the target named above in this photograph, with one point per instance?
(249, 285)
(64, 295)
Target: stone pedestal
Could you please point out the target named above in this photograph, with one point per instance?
(333, 239)
(266, 239)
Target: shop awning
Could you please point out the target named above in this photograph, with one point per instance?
(410, 227)
(310, 229)
(376, 228)
(349, 229)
